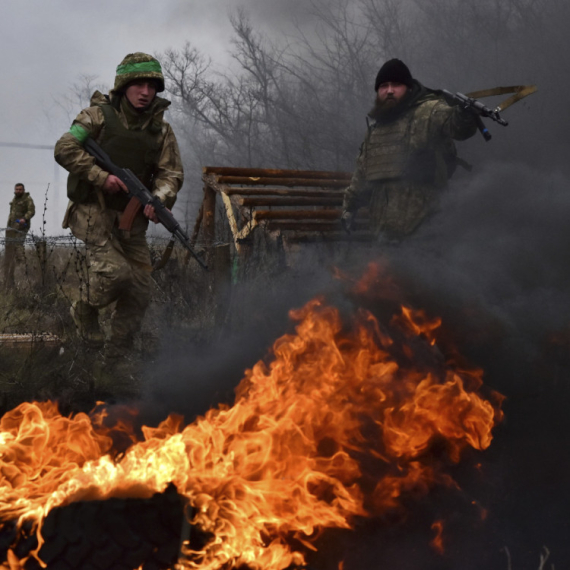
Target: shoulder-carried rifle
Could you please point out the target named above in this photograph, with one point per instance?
(137, 189)
(480, 109)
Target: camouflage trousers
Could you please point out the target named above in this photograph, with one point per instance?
(117, 270)
(14, 253)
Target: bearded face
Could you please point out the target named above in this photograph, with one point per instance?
(390, 98)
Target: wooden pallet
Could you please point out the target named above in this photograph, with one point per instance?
(29, 341)
(302, 205)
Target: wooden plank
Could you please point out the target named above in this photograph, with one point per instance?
(197, 225)
(283, 192)
(231, 219)
(209, 214)
(29, 341)
(247, 229)
(287, 201)
(289, 182)
(212, 181)
(222, 270)
(275, 173)
(330, 214)
(308, 226)
(339, 236)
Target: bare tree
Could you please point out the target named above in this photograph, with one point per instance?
(68, 104)
(300, 101)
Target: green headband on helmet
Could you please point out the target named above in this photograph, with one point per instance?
(138, 66)
(142, 67)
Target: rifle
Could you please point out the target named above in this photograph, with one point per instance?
(137, 189)
(478, 108)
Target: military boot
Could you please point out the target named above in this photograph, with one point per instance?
(119, 377)
(116, 379)
(86, 319)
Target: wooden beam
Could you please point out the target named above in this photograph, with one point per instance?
(212, 181)
(329, 214)
(197, 225)
(29, 341)
(222, 284)
(231, 219)
(339, 236)
(309, 226)
(274, 173)
(209, 215)
(282, 192)
(287, 201)
(301, 182)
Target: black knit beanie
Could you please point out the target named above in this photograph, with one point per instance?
(394, 71)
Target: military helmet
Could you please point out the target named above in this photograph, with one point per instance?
(138, 66)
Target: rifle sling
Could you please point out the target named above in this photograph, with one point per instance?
(520, 92)
(129, 214)
(165, 256)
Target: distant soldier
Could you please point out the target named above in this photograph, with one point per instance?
(22, 210)
(407, 156)
(129, 125)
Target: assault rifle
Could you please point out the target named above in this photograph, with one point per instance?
(478, 108)
(137, 189)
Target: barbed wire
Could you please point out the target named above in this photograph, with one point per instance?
(69, 240)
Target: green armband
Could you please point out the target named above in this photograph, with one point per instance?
(79, 132)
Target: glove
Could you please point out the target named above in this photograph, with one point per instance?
(346, 220)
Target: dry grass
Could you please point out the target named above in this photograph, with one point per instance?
(40, 303)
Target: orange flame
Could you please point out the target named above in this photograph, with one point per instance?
(377, 281)
(437, 542)
(282, 463)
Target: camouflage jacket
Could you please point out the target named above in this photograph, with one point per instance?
(70, 154)
(21, 207)
(404, 162)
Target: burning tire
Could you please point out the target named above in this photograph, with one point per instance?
(118, 534)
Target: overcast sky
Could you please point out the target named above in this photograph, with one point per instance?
(47, 45)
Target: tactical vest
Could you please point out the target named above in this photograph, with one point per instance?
(138, 150)
(19, 207)
(404, 149)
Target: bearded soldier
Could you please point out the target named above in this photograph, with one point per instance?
(128, 124)
(408, 154)
(22, 210)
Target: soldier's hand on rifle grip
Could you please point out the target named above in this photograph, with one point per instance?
(346, 221)
(113, 185)
(150, 213)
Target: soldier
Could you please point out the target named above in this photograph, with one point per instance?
(128, 124)
(22, 210)
(407, 156)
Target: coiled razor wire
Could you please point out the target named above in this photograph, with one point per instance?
(69, 240)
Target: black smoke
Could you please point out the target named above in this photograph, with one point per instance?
(493, 263)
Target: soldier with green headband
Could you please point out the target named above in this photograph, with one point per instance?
(129, 125)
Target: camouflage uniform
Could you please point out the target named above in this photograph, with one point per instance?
(118, 261)
(21, 208)
(405, 162)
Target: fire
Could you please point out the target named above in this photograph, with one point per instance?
(437, 541)
(286, 460)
